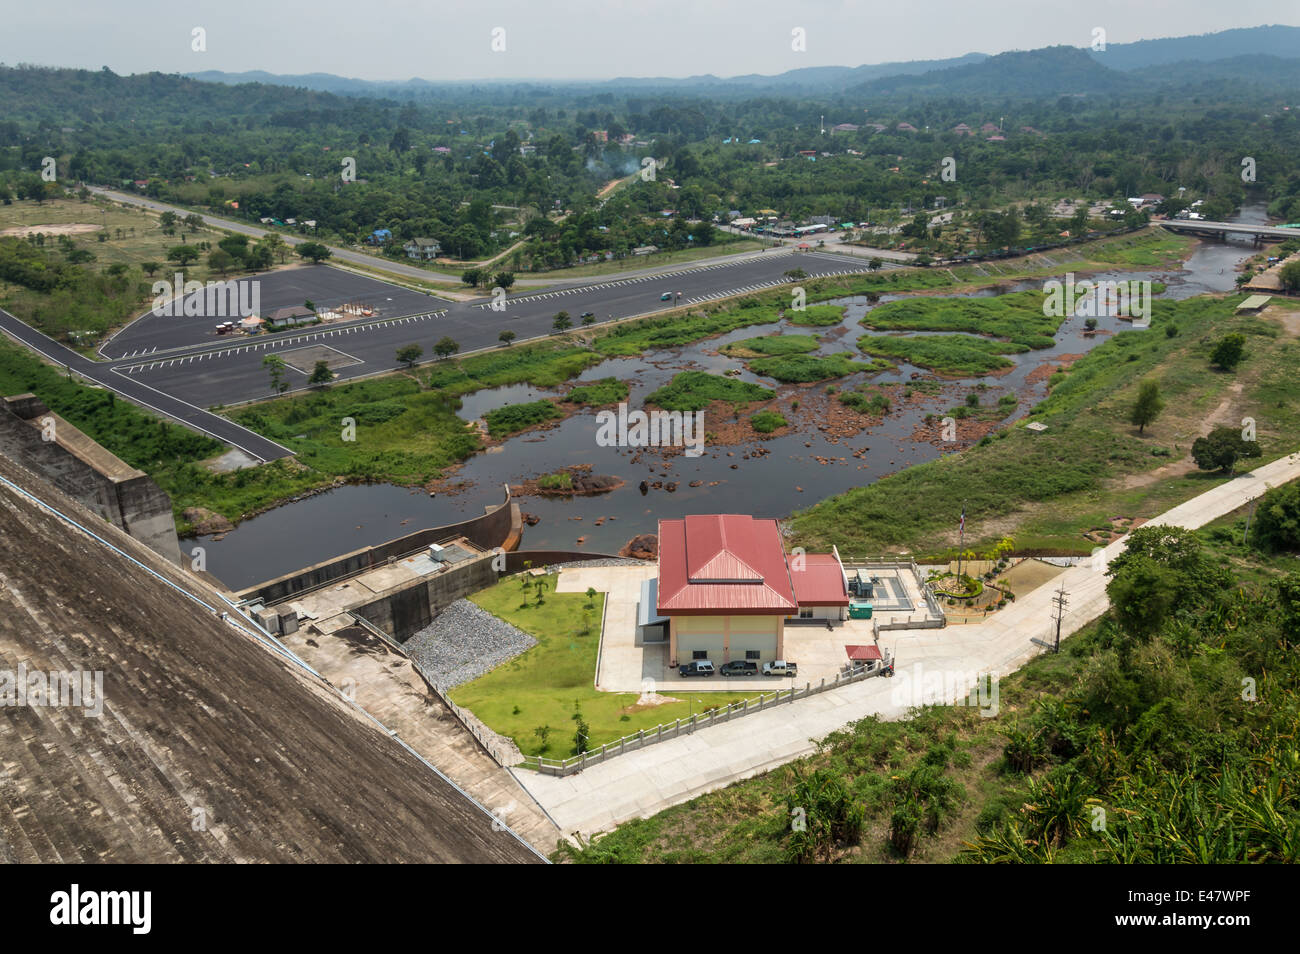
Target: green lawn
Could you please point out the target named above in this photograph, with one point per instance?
(546, 685)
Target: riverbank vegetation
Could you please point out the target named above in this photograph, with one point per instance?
(696, 390)
(1090, 464)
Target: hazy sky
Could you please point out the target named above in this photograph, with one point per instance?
(587, 39)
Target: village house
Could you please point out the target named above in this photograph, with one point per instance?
(424, 249)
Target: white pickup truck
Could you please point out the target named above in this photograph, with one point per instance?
(780, 667)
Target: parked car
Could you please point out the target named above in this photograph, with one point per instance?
(696, 667)
(739, 667)
(666, 296)
(780, 667)
(588, 314)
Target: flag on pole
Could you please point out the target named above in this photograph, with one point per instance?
(962, 527)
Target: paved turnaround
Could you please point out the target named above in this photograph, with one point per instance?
(649, 780)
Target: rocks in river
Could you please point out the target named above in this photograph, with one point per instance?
(207, 521)
(531, 519)
(695, 483)
(671, 487)
(644, 487)
(644, 546)
(581, 540)
(735, 466)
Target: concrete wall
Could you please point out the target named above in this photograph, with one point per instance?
(499, 526)
(125, 497)
(405, 611)
(539, 558)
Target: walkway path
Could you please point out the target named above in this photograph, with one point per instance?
(647, 781)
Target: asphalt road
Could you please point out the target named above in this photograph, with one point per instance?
(229, 371)
(399, 269)
(142, 393)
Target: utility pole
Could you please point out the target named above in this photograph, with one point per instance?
(1246, 536)
(1061, 601)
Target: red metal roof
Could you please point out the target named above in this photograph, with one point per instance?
(862, 653)
(723, 563)
(820, 582)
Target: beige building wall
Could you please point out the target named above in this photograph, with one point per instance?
(725, 638)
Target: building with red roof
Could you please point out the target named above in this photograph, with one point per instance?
(727, 587)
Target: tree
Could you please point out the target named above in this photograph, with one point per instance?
(875, 264)
(274, 244)
(591, 597)
(506, 337)
(314, 251)
(221, 261)
(1142, 594)
(275, 367)
(1221, 449)
(562, 321)
(1229, 351)
(409, 354)
(503, 280)
(1160, 566)
(588, 319)
(470, 276)
(168, 222)
(183, 255)
(321, 373)
(1277, 523)
(445, 348)
(194, 222)
(150, 267)
(1148, 405)
(795, 274)
(1289, 275)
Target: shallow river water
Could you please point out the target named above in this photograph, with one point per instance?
(786, 476)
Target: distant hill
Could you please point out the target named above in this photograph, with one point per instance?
(1043, 72)
(1279, 41)
(1054, 71)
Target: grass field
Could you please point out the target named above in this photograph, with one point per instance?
(123, 237)
(800, 368)
(1017, 317)
(549, 683)
(695, 390)
(598, 393)
(771, 345)
(960, 355)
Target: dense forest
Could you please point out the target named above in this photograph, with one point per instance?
(530, 168)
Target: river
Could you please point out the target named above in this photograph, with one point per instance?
(789, 473)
